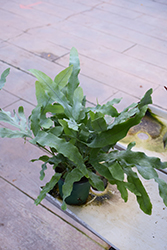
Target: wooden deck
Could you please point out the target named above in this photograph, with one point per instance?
(123, 52)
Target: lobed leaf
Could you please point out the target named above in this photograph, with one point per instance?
(73, 176)
(95, 181)
(107, 109)
(116, 133)
(116, 171)
(146, 99)
(73, 81)
(42, 96)
(3, 77)
(72, 124)
(16, 121)
(53, 91)
(142, 199)
(62, 78)
(99, 124)
(9, 133)
(165, 139)
(77, 108)
(162, 185)
(122, 189)
(35, 119)
(62, 147)
(48, 187)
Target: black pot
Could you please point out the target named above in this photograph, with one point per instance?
(79, 193)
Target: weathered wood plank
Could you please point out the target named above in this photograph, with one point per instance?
(25, 226)
(15, 167)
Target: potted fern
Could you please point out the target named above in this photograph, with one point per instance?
(79, 140)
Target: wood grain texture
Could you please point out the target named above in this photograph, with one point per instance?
(27, 227)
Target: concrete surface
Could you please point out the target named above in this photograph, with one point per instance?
(123, 52)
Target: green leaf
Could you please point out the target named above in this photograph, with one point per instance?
(72, 124)
(122, 189)
(99, 124)
(162, 185)
(95, 181)
(62, 78)
(147, 171)
(146, 99)
(124, 116)
(43, 99)
(35, 119)
(3, 77)
(132, 188)
(143, 199)
(43, 158)
(56, 130)
(48, 187)
(9, 133)
(120, 127)
(103, 170)
(42, 172)
(116, 171)
(23, 120)
(55, 160)
(77, 109)
(68, 131)
(73, 81)
(116, 133)
(55, 108)
(46, 122)
(165, 140)
(17, 122)
(73, 176)
(131, 145)
(63, 147)
(84, 133)
(144, 163)
(53, 91)
(107, 109)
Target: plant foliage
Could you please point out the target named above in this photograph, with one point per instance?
(80, 140)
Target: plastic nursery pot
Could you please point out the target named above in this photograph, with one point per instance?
(79, 193)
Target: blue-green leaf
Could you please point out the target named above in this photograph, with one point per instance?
(3, 77)
(53, 91)
(73, 81)
(74, 176)
(16, 121)
(99, 124)
(62, 78)
(35, 119)
(67, 130)
(117, 132)
(162, 185)
(9, 133)
(116, 171)
(55, 108)
(48, 187)
(165, 140)
(63, 147)
(146, 99)
(132, 188)
(42, 96)
(72, 124)
(107, 109)
(143, 199)
(95, 181)
(122, 189)
(46, 122)
(77, 108)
